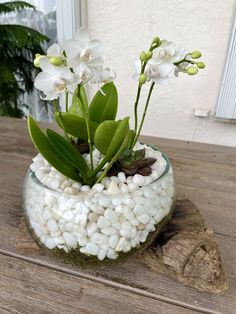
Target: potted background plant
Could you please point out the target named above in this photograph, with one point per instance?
(19, 44)
(94, 193)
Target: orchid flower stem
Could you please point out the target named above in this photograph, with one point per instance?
(89, 139)
(55, 105)
(67, 101)
(144, 114)
(136, 108)
(87, 119)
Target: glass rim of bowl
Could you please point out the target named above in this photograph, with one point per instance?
(31, 173)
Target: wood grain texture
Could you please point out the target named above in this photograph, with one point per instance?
(186, 250)
(27, 288)
(208, 193)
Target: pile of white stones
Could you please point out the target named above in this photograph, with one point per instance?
(111, 217)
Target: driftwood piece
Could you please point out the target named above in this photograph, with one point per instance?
(186, 250)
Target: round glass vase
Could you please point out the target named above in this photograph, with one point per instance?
(98, 228)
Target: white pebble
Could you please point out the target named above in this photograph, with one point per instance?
(102, 254)
(122, 245)
(138, 179)
(104, 201)
(93, 217)
(91, 228)
(113, 188)
(68, 215)
(108, 231)
(132, 187)
(52, 225)
(111, 215)
(103, 222)
(50, 243)
(130, 203)
(92, 248)
(98, 187)
(70, 239)
(139, 210)
(113, 241)
(97, 209)
(71, 191)
(122, 177)
(85, 188)
(112, 254)
(144, 218)
(76, 185)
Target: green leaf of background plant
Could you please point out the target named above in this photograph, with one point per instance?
(104, 107)
(68, 151)
(76, 126)
(104, 134)
(45, 147)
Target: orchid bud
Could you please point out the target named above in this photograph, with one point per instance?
(56, 61)
(196, 54)
(156, 40)
(200, 65)
(36, 60)
(142, 79)
(192, 70)
(142, 56)
(148, 55)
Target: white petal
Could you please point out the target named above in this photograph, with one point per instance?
(96, 46)
(46, 66)
(161, 81)
(165, 69)
(73, 49)
(95, 63)
(82, 36)
(54, 50)
(44, 82)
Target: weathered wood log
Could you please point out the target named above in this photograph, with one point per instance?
(186, 250)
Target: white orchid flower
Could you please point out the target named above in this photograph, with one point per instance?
(104, 75)
(55, 51)
(54, 80)
(159, 73)
(167, 53)
(81, 50)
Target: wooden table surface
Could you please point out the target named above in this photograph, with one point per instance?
(35, 283)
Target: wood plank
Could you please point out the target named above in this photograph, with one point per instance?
(27, 288)
(132, 273)
(193, 150)
(17, 139)
(217, 205)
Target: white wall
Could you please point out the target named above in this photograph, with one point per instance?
(127, 27)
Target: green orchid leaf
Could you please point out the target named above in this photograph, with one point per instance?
(76, 107)
(121, 132)
(104, 134)
(104, 107)
(122, 147)
(68, 151)
(44, 146)
(76, 126)
(81, 93)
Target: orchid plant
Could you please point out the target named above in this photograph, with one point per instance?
(67, 70)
